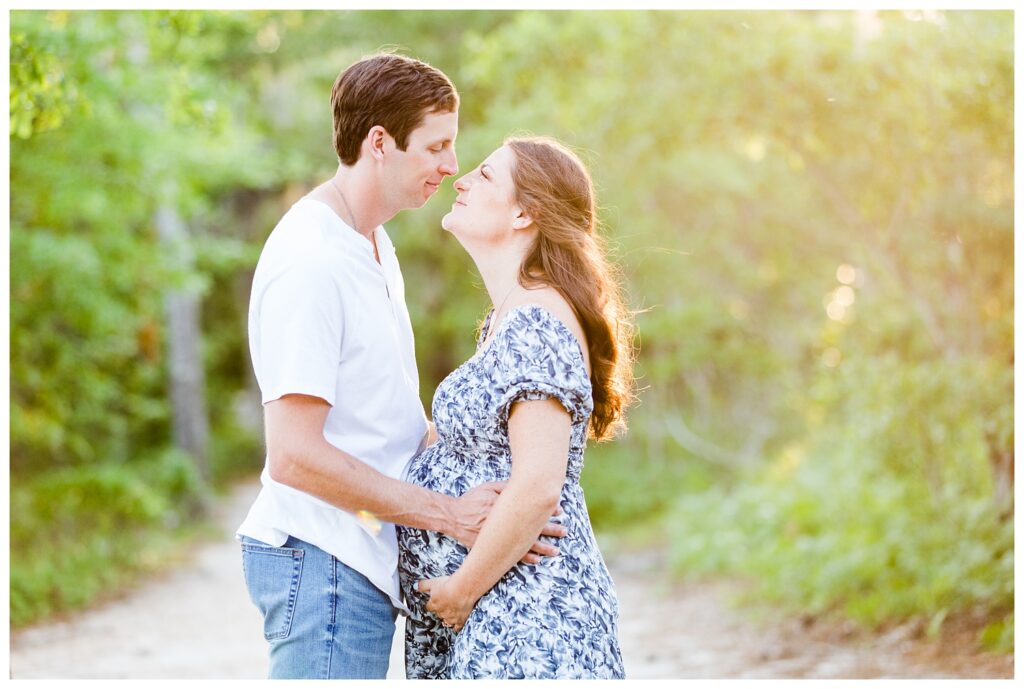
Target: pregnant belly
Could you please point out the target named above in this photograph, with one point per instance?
(427, 554)
(442, 470)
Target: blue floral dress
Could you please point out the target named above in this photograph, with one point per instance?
(556, 619)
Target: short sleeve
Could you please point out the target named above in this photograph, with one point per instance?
(300, 331)
(540, 359)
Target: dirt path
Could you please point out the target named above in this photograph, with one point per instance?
(197, 622)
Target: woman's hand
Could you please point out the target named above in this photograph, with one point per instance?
(448, 601)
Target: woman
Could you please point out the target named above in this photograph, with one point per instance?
(553, 362)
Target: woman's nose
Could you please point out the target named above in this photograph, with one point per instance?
(460, 184)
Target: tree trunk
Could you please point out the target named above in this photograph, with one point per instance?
(184, 340)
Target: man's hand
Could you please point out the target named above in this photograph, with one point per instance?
(471, 511)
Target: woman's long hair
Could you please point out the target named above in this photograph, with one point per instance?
(554, 188)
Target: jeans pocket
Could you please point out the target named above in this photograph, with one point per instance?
(272, 576)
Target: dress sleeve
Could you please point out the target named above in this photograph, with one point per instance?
(540, 359)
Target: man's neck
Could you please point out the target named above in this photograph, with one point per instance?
(357, 195)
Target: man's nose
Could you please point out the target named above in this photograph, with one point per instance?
(450, 166)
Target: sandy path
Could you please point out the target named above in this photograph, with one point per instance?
(196, 621)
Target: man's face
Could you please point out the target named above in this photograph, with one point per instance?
(416, 173)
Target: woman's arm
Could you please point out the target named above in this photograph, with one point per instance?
(300, 457)
(539, 432)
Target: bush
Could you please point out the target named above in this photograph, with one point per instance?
(888, 514)
(77, 533)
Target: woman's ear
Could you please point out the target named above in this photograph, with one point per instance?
(521, 221)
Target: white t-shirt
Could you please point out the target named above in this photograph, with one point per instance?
(325, 319)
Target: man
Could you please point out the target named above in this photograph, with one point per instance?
(332, 348)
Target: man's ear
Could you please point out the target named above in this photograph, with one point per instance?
(376, 140)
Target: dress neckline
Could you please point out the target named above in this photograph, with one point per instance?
(482, 347)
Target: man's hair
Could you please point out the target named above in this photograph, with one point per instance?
(392, 91)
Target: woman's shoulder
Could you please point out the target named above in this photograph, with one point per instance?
(544, 310)
(548, 304)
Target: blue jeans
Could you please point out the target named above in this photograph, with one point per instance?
(323, 619)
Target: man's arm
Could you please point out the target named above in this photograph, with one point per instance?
(300, 457)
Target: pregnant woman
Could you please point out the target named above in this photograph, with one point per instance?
(553, 366)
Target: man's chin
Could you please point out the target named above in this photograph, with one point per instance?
(412, 205)
(419, 200)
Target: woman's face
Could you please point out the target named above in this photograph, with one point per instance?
(485, 210)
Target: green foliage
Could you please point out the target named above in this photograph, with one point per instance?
(619, 495)
(235, 452)
(39, 101)
(857, 549)
(998, 636)
(88, 273)
(74, 322)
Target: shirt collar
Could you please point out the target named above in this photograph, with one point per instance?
(350, 236)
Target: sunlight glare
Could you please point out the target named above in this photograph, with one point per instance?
(845, 296)
(835, 311)
(369, 521)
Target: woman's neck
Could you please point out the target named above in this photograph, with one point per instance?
(499, 269)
